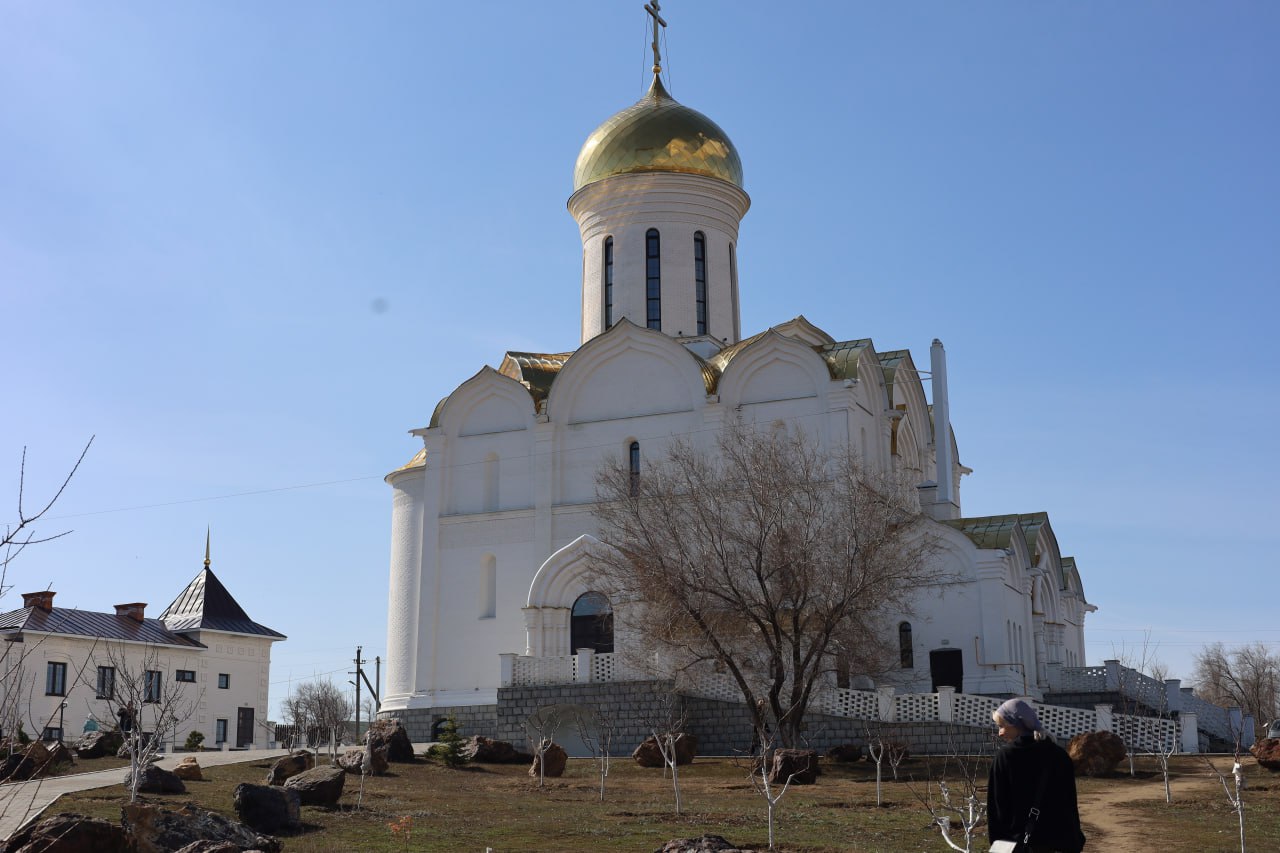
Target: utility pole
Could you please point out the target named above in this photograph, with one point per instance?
(360, 676)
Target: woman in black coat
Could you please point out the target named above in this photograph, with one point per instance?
(1029, 760)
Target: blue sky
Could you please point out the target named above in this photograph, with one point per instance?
(250, 245)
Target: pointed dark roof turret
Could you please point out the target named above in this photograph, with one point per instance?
(207, 605)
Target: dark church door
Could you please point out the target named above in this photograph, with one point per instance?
(244, 727)
(947, 668)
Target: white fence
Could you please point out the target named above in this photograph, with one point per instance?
(1141, 733)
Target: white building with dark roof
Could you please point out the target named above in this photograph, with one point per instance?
(60, 667)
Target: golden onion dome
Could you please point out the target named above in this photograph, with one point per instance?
(657, 134)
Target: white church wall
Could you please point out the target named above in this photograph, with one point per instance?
(406, 572)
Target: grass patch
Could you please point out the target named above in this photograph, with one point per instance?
(500, 806)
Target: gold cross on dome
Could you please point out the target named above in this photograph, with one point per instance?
(653, 8)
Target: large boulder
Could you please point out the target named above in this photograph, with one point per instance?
(156, 780)
(155, 829)
(267, 808)
(798, 765)
(554, 758)
(321, 786)
(188, 770)
(483, 750)
(99, 743)
(391, 736)
(31, 762)
(1096, 753)
(298, 761)
(715, 843)
(71, 833)
(352, 760)
(647, 754)
(1267, 751)
(846, 752)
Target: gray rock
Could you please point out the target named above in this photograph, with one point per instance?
(715, 843)
(156, 780)
(391, 736)
(71, 833)
(267, 808)
(298, 761)
(155, 829)
(321, 786)
(352, 760)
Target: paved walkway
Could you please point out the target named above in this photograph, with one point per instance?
(22, 800)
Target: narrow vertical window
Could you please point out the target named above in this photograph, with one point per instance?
(733, 291)
(55, 679)
(700, 279)
(633, 454)
(653, 279)
(106, 686)
(220, 731)
(152, 685)
(906, 653)
(608, 282)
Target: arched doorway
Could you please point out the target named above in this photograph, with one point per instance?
(591, 623)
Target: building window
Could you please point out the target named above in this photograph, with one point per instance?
(700, 279)
(905, 651)
(653, 279)
(608, 282)
(106, 686)
(188, 675)
(52, 733)
(633, 462)
(55, 679)
(220, 731)
(591, 624)
(492, 472)
(224, 680)
(152, 685)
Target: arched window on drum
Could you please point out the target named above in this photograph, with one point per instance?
(591, 624)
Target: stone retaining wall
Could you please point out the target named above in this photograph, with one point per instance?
(471, 719)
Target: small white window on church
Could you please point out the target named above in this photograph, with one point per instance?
(633, 464)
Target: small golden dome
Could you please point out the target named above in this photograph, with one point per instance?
(657, 134)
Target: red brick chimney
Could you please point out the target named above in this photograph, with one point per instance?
(133, 611)
(42, 599)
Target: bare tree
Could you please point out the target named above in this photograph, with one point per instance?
(952, 793)
(596, 729)
(760, 774)
(667, 718)
(770, 557)
(540, 728)
(1234, 789)
(318, 710)
(20, 533)
(148, 707)
(1247, 677)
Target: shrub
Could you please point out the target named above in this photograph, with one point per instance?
(194, 741)
(449, 749)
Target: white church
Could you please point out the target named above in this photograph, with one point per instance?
(492, 524)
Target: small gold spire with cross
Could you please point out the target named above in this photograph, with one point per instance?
(207, 531)
(653, 8)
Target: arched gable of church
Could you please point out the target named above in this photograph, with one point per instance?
(561, 580)
(626, 372)
(801, 329)
(772, 368)
(486, 403)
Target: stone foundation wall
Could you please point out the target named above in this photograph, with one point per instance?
(628, 704)
(471, 719)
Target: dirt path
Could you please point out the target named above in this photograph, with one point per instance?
(1108, 824)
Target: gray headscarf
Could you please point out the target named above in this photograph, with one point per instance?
(1019, 714)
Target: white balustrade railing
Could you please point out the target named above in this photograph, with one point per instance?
(1141, 733)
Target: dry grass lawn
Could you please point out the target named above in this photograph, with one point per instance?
(426, 807)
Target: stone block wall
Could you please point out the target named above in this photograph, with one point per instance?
(629, 704)
(471, 719)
